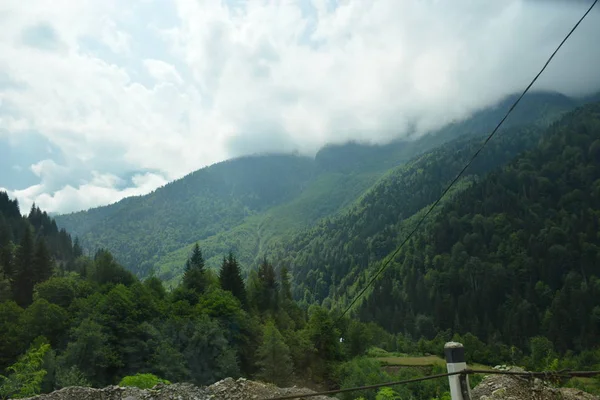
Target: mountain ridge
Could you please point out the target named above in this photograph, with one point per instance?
(221, 217)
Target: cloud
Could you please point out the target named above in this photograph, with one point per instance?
(99, 191)
(169, 87)
(162, 71)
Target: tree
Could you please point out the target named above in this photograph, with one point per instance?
(107, 270)
(26, 375)
(266, 288)
(193, 277)
(25, 271)
(273, 357)
(77, 250)
(286, 287)
(89, 351)
(207, 352)
(230, 277)
(42, 262)
(44, 319)
(196, 259)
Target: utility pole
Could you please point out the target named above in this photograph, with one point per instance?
(455, 362)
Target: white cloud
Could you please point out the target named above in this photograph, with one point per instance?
(98, 192)
(162, 71)
(173, 86)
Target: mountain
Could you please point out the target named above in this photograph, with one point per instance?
(511, 254)
(328, 257)
(252, 203)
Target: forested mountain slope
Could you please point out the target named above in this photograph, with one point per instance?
(513, 256)
(248, 204)
(326, 259)
(29, 248)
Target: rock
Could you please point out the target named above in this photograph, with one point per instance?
(509, 387)
(227, 389)
(493, 387)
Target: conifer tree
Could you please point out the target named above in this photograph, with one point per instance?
(230, 277)
(42, 262)
(24, 275)
(197, 260)
(274, 358)
(77, 250)
(286, 287)
(193, 278)
(267, 296)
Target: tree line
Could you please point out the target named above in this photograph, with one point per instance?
(88, 321)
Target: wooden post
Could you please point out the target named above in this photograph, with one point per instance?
(455, 361)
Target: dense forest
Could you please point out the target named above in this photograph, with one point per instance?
(323, 257)
(251, 203)
(90, 322)
(513, 256)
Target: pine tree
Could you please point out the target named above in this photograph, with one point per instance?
(230, 277)
(42, 262)
(267, 298)
(274, 358)
(77, 250)
(196, 260)
(193, 278)
(24, 275)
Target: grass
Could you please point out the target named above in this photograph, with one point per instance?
(411, 361)
(421, 361)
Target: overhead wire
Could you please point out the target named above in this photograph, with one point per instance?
(545, 375)
(490, 136)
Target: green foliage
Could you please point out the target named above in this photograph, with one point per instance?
(230, 278)
(512, 257)
(273, 357)
(26, 375)
(143, 381)
(194, 277)
(71, 376)
(387, 393)
(360, 372)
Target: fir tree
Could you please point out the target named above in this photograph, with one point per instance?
(193, 278)
(230, 277)
(197, 260)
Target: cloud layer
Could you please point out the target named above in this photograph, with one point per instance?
(128, 95)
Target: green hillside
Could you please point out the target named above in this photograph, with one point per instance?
(513, 256)
(332, 254)
(250, 204)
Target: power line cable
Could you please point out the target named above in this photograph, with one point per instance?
(546, 375)
(491, 135)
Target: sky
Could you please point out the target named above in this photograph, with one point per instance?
(104, 99)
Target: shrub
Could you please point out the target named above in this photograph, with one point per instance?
(142, 381)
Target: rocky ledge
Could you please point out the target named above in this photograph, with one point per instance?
(507, 387)
(227, 389)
